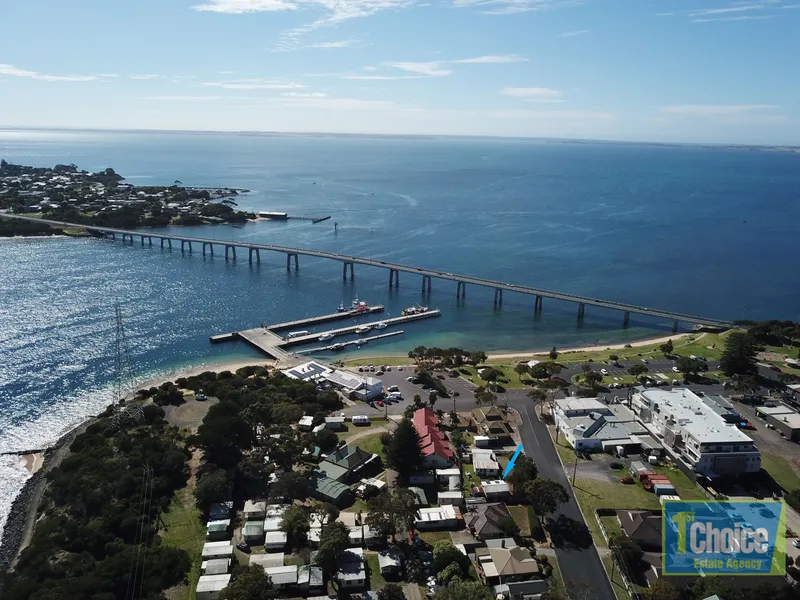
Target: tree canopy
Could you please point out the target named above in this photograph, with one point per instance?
(739, 355)
(524, 472)
(545, 495)
(296, 524)
(249, 583)
(333, 540)
(391, 591)
(404, 452)
(464, 590)
(392, 512)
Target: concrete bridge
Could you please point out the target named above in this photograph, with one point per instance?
(206, 245)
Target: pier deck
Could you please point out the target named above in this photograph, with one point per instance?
(266, 341)
(350, 342)
(313, 337)
(324, 318)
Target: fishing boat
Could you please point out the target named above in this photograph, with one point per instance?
(326, 336)
(337, 347)
(414, 310)
(362, 329)
(342, 307)
(362, 341)
(380, 325)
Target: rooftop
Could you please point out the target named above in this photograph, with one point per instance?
(310, 371)
(580, 404)
(212, 583)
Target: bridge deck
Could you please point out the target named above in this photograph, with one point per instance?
(522, 289)
(325, 318)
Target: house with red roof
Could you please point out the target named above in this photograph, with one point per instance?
(435, 447)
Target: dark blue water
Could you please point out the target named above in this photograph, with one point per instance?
(702, 231)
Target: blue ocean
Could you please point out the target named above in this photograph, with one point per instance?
(706, 231)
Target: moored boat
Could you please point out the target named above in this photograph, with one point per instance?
(326, 336)
(380, 325)
(362, 329)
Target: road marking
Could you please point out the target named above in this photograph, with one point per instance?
(535, 439)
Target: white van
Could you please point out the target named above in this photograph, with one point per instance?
(360, 420)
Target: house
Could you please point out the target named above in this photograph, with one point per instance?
(490, 521)
(506, 565)
(273, 559)
(569, 408)
(642, 526)
(354, 386)
(310, 579)
(217, 550)
(360, 534)
(283, 576)
(316, 522)
(352, 571)
(495, 490)
(215, 566)
(218, 530)
(456, 498)
(347, 464)
(486, 414)
(306, 423)
(498, 432)
(253, 533)
(435, 447)
(444, 475)
(275, 540)
(329, 490)
(255, 510)
(310, 371)
(209, 587)
(390, 562)
(485, 463)
(422, 498)
(440, 517)
(335, 423)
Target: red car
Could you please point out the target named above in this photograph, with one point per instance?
(379, 403)
(627, 480)
(440, 376)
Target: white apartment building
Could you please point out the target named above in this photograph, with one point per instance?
(693, 430)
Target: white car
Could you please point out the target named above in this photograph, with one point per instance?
(604, 371)
(644, 360)
(392, 388)
(409, 379)
(676, 369)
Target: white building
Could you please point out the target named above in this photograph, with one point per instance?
(440, 517)
(209, 587)
(485, 463)
(361, 388)
(282, 577)
(578, 407)
(352, 571)
(217, 550)
(695, 432)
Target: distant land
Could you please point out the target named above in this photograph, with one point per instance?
(547, 140)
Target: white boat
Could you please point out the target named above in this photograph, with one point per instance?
(414, 310)
(380, 325)
(342, 307)
(326, 336)
(362, 341)
(362, 329)
(337, 347)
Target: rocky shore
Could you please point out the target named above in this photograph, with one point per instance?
(25, 508)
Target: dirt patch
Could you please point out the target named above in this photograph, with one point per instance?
(190, 414)
(598, 469)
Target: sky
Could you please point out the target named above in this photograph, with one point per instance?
(708, 71)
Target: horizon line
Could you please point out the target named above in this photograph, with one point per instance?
(397, 135)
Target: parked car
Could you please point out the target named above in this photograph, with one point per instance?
(243, 547)
(616, 465)
(360, 369)
(393, 388)
(409, 379)
(645, 361)
(676, 370)
(604, 371)
(439, 376)
(399, 368)
(627, 480)
(379, 403)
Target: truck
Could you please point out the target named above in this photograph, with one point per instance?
(654, 480)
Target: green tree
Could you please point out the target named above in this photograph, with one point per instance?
(667, 348)
(524, 472)
(295, 523)
(661, 589)
(390, 512)
(290, 486)
(326, 439)
(477, 357)
(211, 487)
(464, 590)
(391, 591)
(627, 553)
(249, 583)
(690, 366)
(404, 452)
(593, 379)
(613, 357)
(739, 355)
(746, 384)
(545, 496)
(553, 353)
(484, 396)
(537, 396)
(637, 369)
(333, 540)
(445, 554)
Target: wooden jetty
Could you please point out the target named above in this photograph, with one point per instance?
(350, 343)
(313, 337)
(348, 314)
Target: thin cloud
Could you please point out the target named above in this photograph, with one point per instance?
(304, 95)
(569, 34)
(427, 69)
(183, 98)
(331, 45)
(511, 7)
(715, 109)
(12, 71)
(665, 14)
(369, 68)
(359, 77)
(533, 94)
(743, 18)
(146, 77)
(255, 84)
(723, 11)
(492, 59)
(107, 75)
(577, 115)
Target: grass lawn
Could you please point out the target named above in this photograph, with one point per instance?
(354, 429)
(431, 537)
(358, 505)
(611, 525)
(505, 368)
(553, 561)
(470, 480)
(184, 529)
(593, 493)
(520, 516)
(781, 471)
(376, 580)
(371, 443)
(616, 581)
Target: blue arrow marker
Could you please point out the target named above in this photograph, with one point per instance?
(510, 464)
